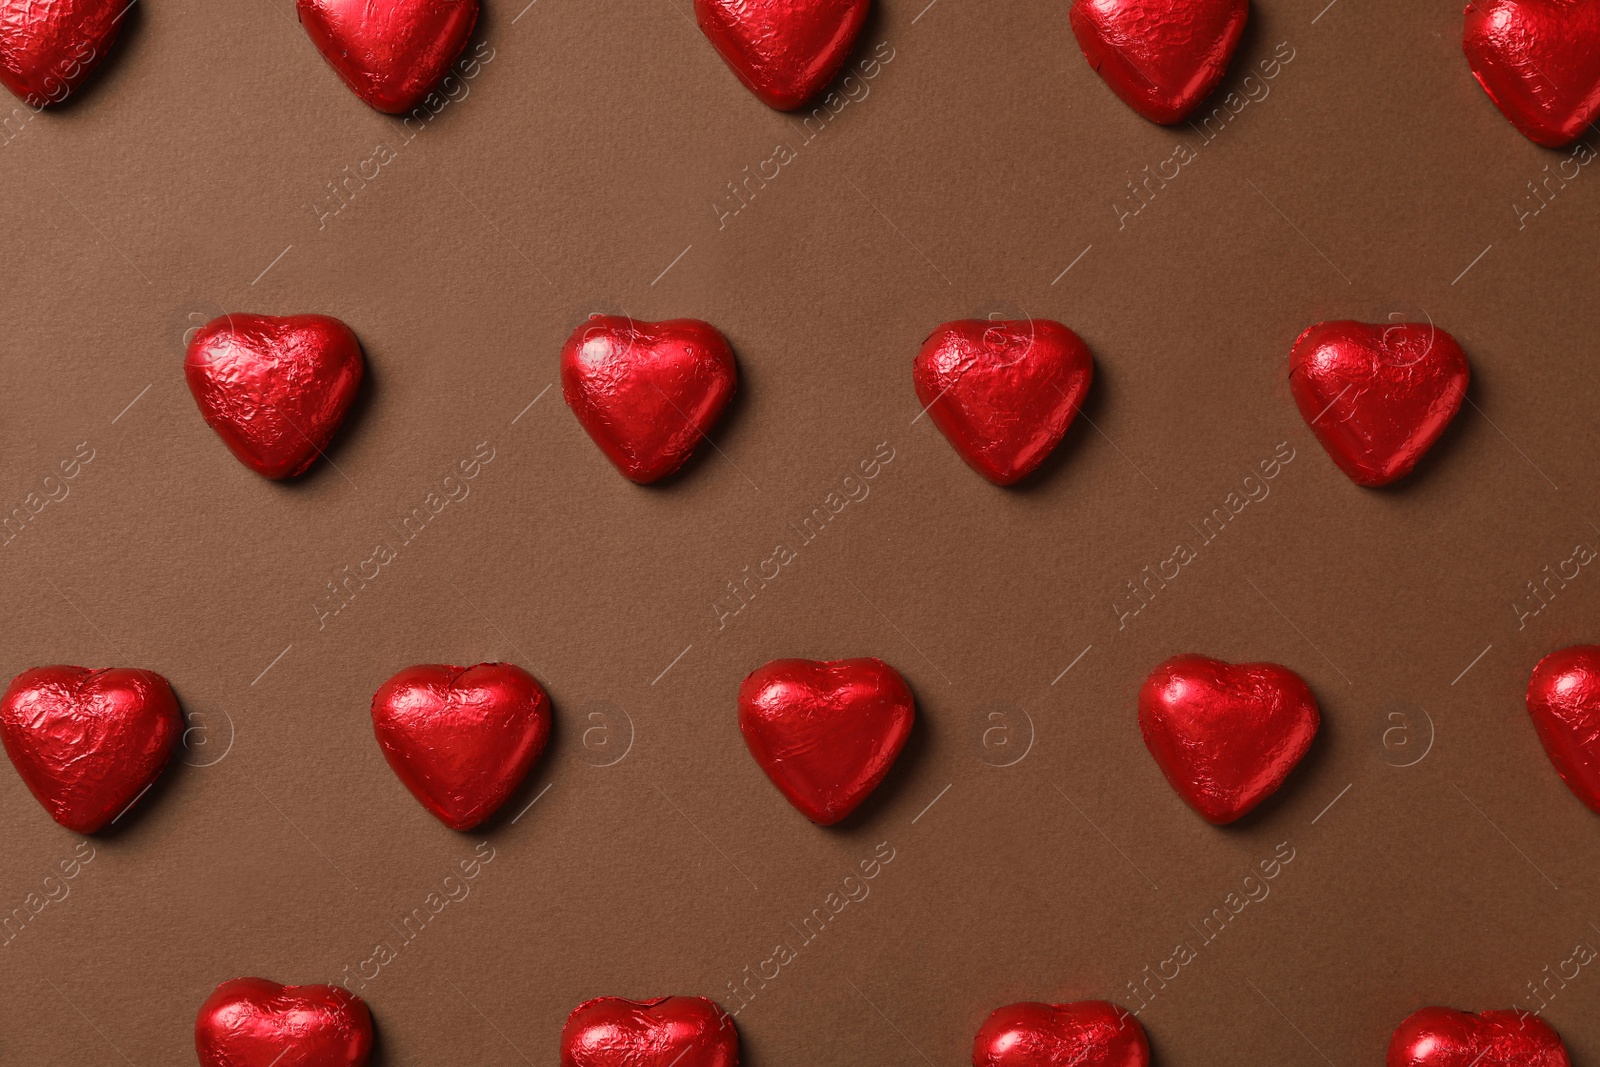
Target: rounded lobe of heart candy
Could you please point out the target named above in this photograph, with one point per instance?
(275, 389)
(1377, 396)
(251, 1022)
(50, 47)
(390, 54)
(1088, 1033)
(1162, 57)
(1226, 735)
(784, 51)
(1564, 703)
(664, 1032)
(1539, 61)
(647, 392)
(461, 738)
(1003, 393)
(825, 732)
(88, 743)
(1444, 1037)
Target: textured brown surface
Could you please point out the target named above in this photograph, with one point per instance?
(984, 159)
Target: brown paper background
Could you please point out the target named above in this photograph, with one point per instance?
(983, 159)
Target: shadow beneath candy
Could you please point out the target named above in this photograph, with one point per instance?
(378, 1056)
(1072, 442)
(911, 758)
(127, 33)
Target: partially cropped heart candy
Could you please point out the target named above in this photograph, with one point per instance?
(826, 732)
(1088, 1033)
(89, 743)
(275, 389)
(647, 392)
(1163, 57)
(665, 1032)
(1377, 397)
(1003, 393)
(461, 738)
(1564, 702)
(251, 1022)
(391, 53)
(1444, 1037)
(1539, 61)
(50, 47)
(1226, 735)
(785, 51)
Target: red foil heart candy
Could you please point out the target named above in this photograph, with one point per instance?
(274, 389)
(825, 732)
(1564, 703)
(1163, 57)
(251, 1022)
(391, 53)
(1088, 1033)
(1226, 735)
(1003, 393)
(50, 47)
(665, 1032)
(785, 51)
(461, 738)
(647, 392)
(1444, 1037)
(89, 743)
(1377, 397)
(1539, 61)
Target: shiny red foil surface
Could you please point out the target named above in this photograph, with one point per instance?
(1377, 396)
(88, 743)
(251, 1022)
(1089, 1033)
(647, 392)
(785, 51)
(1564, 703)
(1539, 61)
(1226, 735)
(274, 389)
(462, 738)
(50, 47)
(825, 732)
(391, 53)
(665, 1032)
(1444, 1037)
(1003, 393)
(1163, 57)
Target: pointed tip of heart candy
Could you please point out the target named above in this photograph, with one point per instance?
(1163, 58)
(391, 55)
(785, 52)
